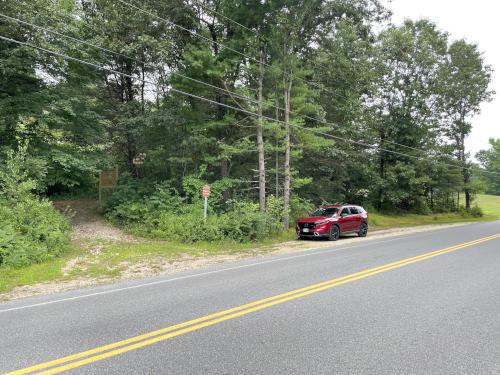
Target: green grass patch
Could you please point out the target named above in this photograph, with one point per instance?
(116, 253)
(11, 277)
(383, 221)
(490, 204)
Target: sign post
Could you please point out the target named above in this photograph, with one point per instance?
(205, 193)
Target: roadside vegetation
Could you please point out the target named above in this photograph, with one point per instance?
(151, 255)
(31, 229)
(158, 211)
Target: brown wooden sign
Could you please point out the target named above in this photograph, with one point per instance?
(108, 178)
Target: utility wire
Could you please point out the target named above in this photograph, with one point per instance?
(219, 44)
(318, 65)
(126, 57)
(347, 140)
(208, 9)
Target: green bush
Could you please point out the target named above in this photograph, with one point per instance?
(31, 229)
(162, 213)
(474, 211)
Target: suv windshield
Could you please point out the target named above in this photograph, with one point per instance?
(325, 212)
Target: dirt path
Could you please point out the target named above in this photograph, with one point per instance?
(91, 233)
(88, 223)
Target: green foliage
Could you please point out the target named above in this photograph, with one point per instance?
(15, 181)
(490, 159)
(242, 224)
(162, 213)
(31, 230)
(474, 211)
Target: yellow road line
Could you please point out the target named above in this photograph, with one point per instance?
(136, 342)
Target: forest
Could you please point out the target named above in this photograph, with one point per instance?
(278, 105)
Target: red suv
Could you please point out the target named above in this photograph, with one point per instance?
(332, 221)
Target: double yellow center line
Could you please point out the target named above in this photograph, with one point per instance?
(123, 346)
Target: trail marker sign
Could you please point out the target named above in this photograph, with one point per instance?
(206, 191)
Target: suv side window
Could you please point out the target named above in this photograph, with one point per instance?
(354, 211)
(345, 211)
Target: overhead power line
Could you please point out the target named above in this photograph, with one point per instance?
(55, 32)
(208, 9)
(316, 132)
(219, 44)
(319, 65)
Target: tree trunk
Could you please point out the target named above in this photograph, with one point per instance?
(381, 170)
(467, 199)
(432, 198)
(287, 183)
(260, 140)
(466, 173)
(277, 177)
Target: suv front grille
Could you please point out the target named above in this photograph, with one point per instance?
(307, 225)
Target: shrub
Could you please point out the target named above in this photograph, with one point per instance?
(164, 214)
(474, 211)
(31, 231)
(242, 224)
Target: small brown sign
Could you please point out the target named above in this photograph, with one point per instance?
(206, 191)
(108, 178)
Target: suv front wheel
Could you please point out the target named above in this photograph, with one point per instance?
(334, 233)
(363, 230)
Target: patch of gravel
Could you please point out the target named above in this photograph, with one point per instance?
(162, 266)
(97, 229)
(53, 287)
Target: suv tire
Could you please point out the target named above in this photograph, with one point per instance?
(334, 233)
(363, 230)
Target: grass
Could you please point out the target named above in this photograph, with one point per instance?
(490, 205)
(381, 221)
(36, 273)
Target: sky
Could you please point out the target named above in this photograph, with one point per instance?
(477, 22)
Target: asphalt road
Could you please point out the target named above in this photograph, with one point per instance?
(426, 303)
